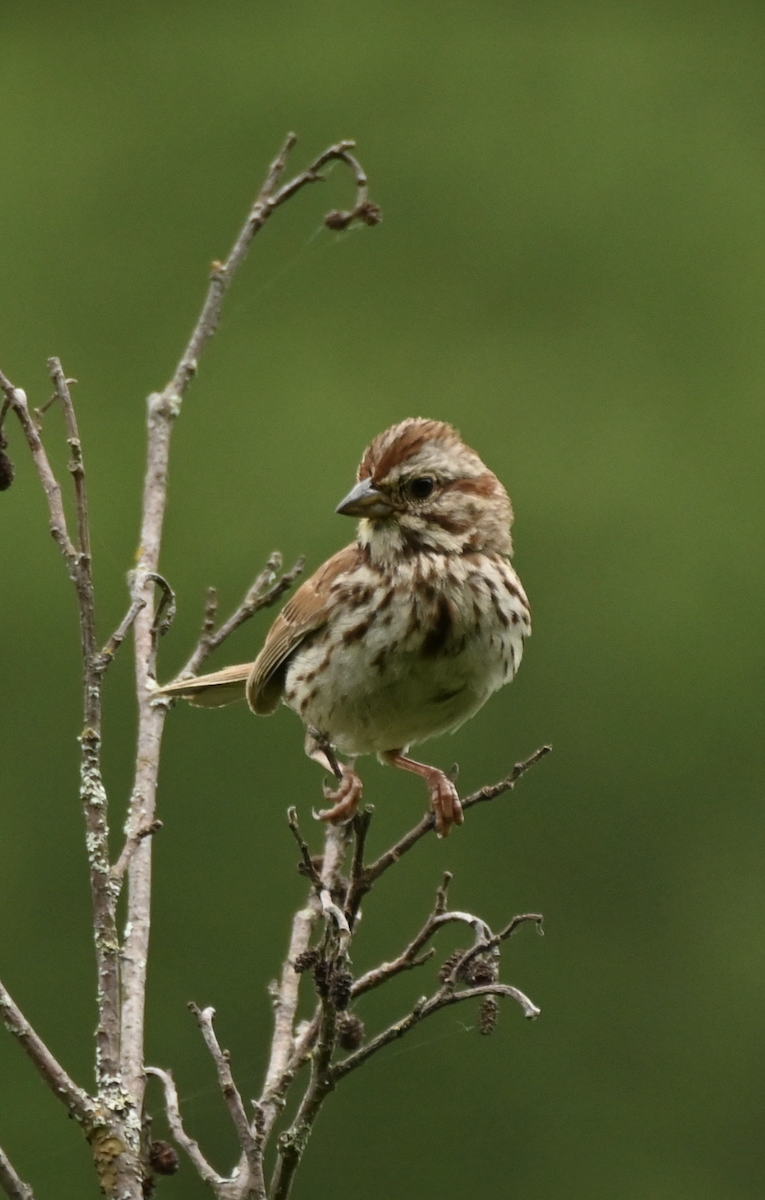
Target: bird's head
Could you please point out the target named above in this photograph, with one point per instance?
(421, 489)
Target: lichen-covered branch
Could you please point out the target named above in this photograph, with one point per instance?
(78, 559)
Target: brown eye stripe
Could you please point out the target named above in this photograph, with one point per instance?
(484, 485)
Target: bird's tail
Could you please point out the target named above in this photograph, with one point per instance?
(211, 691)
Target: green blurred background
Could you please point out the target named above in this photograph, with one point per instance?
(572, 270)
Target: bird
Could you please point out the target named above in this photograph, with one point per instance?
(405, 633)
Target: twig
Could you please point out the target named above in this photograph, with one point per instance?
(442, 895)
(363, 882)
(17, 399)
(128, 850)
(293, 1141)
(172, 1108)
(265, 591)
(92, 792)
(425, 1008)
(247, 1141)
(288, 1050)
(164, 614)
(330, 909)
(408, 957)
(111, 647)
(307, 867)
(530, 1009)
(163, 408)
(286, 996)
(11, 1182)
(76, 1100)
(491, 791)
(361, 823)
(76, 466)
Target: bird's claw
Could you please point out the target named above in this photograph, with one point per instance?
(345, 798)
(445, 803)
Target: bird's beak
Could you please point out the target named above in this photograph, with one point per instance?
(364, 501)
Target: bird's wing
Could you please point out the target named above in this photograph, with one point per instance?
(212, 691)
(308, 610)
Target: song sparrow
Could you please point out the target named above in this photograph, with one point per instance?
(405, 633)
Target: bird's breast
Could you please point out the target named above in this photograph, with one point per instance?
(404, 657)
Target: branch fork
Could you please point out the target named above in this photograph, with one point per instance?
(317, 1045)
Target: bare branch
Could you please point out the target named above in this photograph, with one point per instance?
(77, 1101)
(361, 823)
(128, 850)
(92, 792)
(491, 791)
(123, 629)
(424, 1008)
(288, 1048)
(361, 883)
(76, 466)
(266, 202)
(511, 926)
(363, 210)
(530, 1010)
(247, 1141)
(408, 957)
(172, 1108)
(442, 895)
(11, 1182)
(17, 400)
(265, 591)
(104, 896)
(163, 408)
(307, 866)
(293, 1141)
(286, 995)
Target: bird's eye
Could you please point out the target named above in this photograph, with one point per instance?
(422, 486)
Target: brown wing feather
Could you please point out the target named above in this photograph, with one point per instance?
(212, 691)
(306, 612)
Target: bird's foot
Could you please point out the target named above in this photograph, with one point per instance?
(345, 798)
(444, 799)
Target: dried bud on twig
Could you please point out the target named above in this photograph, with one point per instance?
(368, 212)
(350, 1031)
(307, 960)
(322, 975)
(340, 989)
(163, 1158)
(446, 970)
(480, 970)
(488, 1016)
(7, 471)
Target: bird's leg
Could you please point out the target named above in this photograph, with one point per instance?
(444, 799)
(345, 798)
